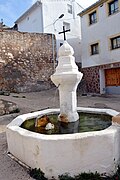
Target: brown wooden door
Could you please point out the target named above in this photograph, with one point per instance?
(112, 77)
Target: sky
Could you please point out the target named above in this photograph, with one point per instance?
(11, 10)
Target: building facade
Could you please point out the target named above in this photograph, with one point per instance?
(49, 16)
(101, 46)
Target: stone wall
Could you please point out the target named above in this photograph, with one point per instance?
(26, 61)
(92, 79)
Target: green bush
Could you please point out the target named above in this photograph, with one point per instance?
(65, 177)
(37, 174)
(82, 176)
(88, 176)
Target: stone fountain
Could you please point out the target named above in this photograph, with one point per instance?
(67, 153)
(67, 78)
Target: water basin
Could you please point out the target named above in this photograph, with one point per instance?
(71, 153)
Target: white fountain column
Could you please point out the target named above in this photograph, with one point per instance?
(67, 78)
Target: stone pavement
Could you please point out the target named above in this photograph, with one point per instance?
(34, 101)
(28, 102)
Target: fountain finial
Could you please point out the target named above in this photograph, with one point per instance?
(65, 50)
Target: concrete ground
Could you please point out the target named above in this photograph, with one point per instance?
(28, 102)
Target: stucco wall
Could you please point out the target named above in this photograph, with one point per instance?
(33, 22)
(45, 18)
(74, 36)
(102, 31)
(25, 61)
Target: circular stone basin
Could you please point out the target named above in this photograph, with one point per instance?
(87, 122)
(65, 153)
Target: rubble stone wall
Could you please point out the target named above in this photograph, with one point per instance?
(26, 61)
(92, 79)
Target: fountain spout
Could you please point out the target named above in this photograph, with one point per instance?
(67, 78)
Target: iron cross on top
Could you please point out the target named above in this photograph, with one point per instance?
(64, 31)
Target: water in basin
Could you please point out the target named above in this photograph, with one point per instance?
(87, 122)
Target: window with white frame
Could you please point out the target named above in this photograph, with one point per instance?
(115, 42)
(69, 7)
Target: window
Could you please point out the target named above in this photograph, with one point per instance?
(93, 17)
(113, 7)
(61, 44)
(115, 42)
(94, 49)
(67, 25)
(69, 8)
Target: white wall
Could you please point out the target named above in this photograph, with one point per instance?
(102, 81)
(74, 36)
(33, 22)
(51, 11)
(100, 31)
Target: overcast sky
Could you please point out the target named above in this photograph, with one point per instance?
(86, 3)
(11, 10)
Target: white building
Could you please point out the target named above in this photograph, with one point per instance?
(43, 17)
(101, 46)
